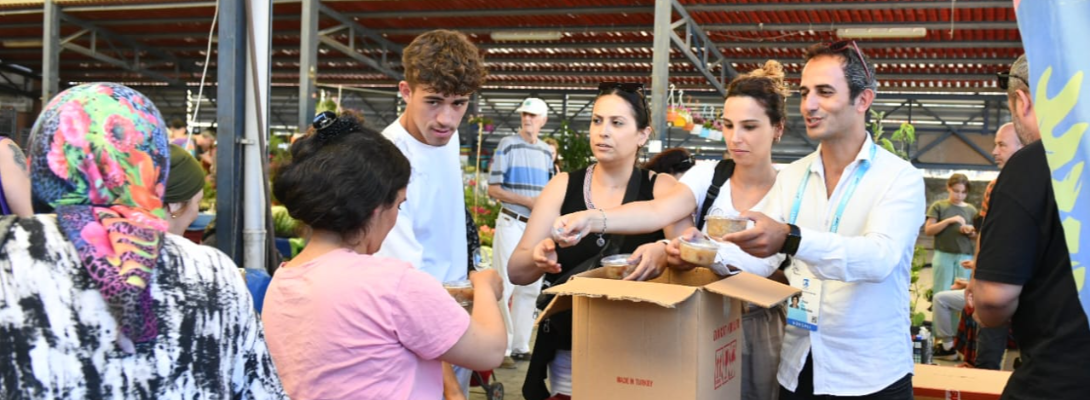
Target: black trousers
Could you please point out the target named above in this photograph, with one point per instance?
(900, 390)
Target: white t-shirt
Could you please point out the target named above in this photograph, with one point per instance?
(699, 179)
(430, 229)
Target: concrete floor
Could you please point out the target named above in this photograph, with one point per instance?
(512, 378)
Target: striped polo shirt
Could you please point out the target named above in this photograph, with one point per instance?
(522, 168)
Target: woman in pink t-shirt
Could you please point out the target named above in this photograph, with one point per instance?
(342, 323)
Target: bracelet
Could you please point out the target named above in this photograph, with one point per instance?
(603, 220)
(664, 241)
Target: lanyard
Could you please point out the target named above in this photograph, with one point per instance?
(847, 195)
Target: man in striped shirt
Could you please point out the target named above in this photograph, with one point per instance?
(521, 166)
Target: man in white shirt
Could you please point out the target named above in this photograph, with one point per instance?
(430, 228)
(852, 213)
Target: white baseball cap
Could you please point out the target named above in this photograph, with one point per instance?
(533, 105)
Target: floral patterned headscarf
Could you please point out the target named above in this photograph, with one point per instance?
(99, 157)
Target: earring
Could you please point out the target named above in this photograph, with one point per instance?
(173, 216)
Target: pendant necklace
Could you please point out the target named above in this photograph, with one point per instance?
(590, 205)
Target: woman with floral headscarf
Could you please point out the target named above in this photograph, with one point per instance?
(98, 301)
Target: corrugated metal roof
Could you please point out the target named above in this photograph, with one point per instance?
(602, 39)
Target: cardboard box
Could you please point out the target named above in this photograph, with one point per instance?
(934, 382)
(676, 337)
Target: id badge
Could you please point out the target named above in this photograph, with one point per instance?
(803, 309)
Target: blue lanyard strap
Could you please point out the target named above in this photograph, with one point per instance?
(861, 170)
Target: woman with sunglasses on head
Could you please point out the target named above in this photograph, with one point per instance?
(753, 119)
(620, 126)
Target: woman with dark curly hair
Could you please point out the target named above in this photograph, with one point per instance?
(673, 161)
(344, 323)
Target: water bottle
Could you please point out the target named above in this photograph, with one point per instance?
(482, 259)
(926, 347)
(917, 350)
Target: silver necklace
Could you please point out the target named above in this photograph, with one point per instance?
(590, 205)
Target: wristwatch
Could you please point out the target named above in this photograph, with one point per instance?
(791, 243)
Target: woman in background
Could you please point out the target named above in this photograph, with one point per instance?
(675, 161)
(185, 189)
(556, 153)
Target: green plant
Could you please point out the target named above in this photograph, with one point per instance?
(483, 208)
(898, 141)
(918, 262)
(326, 105)
(209, 200)
(575, 153)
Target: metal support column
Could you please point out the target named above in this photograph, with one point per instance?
(564, 107)
(257, 230)
(308, 62)
(708, 55)
(231, 113)
(660, 66)
(51, 51)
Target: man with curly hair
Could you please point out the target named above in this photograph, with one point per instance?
(442, 69)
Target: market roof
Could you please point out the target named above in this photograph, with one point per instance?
(965, 43)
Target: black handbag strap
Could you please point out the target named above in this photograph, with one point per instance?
(723, 170)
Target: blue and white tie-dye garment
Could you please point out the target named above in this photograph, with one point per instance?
(59, 341)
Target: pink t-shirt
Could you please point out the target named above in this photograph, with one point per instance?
(349, 325)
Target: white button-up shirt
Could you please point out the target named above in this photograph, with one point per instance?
(863, 342)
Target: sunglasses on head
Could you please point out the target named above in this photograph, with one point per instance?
(631, 87)
(850, 44)
(1004, 79)
(635, 88)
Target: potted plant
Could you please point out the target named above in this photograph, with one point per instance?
(899, 141)
(575, 153)
(484, 211)
(919, 260)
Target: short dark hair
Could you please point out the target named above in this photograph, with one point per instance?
(956, 179)
(764, 85)
(335, 182)
(445, 62)
(670, 161)
(857, 70)
(177, 123)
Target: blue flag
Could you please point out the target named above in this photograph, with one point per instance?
(1054, 34)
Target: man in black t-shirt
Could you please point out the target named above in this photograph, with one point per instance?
(1023, 272)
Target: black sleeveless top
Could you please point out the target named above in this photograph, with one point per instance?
(554, 333)
(570, 257)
